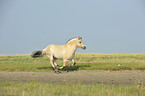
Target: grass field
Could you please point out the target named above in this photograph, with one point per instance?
(112, 62)
(84, 62)
(46, 89)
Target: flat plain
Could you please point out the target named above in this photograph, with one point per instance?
(94, 74)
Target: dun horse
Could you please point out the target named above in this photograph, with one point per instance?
(65, 52)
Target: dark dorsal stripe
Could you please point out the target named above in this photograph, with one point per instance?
(70, 39)
(73, 38)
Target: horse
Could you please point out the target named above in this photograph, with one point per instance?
(65, 52)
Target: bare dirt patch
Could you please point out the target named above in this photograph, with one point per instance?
(87, 77)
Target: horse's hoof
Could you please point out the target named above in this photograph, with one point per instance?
(53, 68)
(57, 67)
(56, 70)
(71, 65)
(64, 67)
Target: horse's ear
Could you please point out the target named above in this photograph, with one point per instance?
(79, 38)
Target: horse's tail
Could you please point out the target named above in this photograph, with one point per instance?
(39, 53)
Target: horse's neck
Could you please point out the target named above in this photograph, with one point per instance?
(71, 47)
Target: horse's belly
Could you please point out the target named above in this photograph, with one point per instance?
(59, 54)
(58, 57)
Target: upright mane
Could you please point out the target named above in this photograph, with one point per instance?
(70, 39)
(73, 39)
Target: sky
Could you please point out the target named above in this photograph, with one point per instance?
(106, 26)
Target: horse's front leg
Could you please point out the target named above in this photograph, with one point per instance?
(73, 63)
(52, 63)
(64, 62)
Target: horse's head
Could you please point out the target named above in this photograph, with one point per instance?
(80, 43)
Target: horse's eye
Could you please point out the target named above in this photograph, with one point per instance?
(80, 42)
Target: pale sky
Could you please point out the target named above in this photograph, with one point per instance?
(106, 26)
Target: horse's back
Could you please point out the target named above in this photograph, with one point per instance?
(56, 50)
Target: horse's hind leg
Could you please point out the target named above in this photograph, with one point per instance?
(55, 69)
(54, 62)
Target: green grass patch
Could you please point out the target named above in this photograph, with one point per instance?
(84, 62)
(48, 89)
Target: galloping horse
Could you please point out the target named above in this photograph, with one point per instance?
(65, 52)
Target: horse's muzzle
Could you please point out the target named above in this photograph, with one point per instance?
(84, 47)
